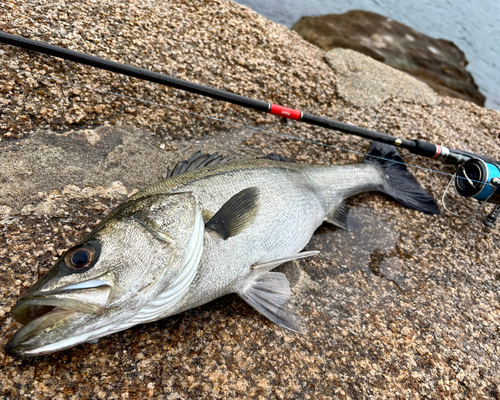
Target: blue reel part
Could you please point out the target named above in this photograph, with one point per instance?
(478, 179)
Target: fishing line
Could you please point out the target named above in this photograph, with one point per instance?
(480, 204)
(291, 137)
(444, 194)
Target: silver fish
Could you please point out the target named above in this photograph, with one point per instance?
(212, 228)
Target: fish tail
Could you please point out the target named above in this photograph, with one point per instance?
(399, 183)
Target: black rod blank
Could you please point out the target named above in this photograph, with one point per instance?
(414, 146)
(134, 72)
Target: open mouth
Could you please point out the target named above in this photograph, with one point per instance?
(33, 312)
(43, 316)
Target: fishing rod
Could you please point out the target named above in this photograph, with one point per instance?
(477, 176)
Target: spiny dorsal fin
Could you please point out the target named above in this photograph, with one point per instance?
(341, 218)
(236, 214)
(196, 161)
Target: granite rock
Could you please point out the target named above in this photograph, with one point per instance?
(407, 306)
(437, 62)
(364, 82)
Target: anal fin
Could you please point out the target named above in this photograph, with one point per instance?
(340, 217)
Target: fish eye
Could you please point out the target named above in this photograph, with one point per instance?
(80, 256)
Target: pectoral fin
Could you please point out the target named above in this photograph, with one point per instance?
(268, 293)
(236, 214)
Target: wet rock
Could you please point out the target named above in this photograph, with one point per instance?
(107, 161)
(437, 62)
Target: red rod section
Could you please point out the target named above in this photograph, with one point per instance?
(285, 112)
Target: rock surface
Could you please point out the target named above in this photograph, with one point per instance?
(407, 306)
(364, 82)
(437, 62)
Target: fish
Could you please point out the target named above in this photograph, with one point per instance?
(211, 228)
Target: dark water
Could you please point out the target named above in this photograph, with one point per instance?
(472, 25)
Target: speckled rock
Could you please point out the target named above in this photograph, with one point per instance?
(407, 306)
(364, 82)
(437, 62)
(110, 156)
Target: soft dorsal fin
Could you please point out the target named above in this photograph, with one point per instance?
(236, 214)
(277, 157)
(196, 161)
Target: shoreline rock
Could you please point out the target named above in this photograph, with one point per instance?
(364, 82)
(437, 62)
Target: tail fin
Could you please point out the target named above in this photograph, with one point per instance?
(400, 184)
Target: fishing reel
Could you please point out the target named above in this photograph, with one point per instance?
(480, 179)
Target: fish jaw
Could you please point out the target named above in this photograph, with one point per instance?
(63, 310)
(46, 317)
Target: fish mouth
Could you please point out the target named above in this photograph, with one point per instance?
(43, 313)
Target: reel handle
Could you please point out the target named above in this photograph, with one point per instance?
(491, 219)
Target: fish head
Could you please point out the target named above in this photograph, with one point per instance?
(144, 248)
